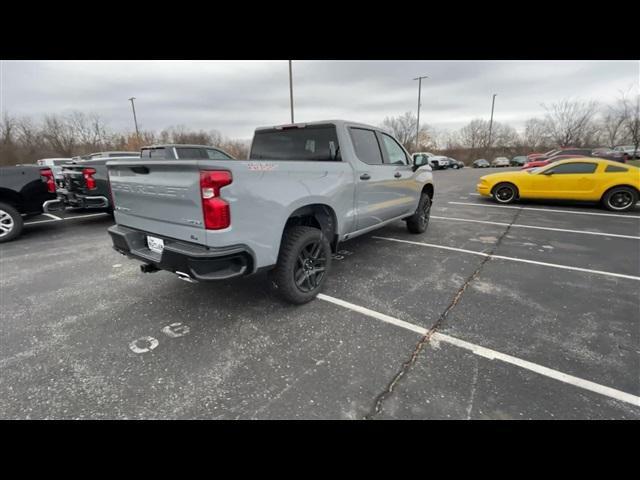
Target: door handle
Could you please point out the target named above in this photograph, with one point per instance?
(397, 175)
(365, 176)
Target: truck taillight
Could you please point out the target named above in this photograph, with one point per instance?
(89, 181)
(47, 174)
(215, 210)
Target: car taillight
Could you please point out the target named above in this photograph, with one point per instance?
(215, 210)
(47, 174)
(89, 181)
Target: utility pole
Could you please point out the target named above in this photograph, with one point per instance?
(418, 122)
(491, 121)
(135, 120)
(291, 90)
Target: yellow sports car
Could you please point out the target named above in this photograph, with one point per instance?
(615, 185)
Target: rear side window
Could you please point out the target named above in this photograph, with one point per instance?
(614, 168)
(312, 143)
(395, 153)
(153, 153)
(213, 154)
(366, 145)
(575, 168)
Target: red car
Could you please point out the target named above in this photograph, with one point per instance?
(555, 155)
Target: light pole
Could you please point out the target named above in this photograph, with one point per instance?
(291, 90)
(418, 122)
(491, 121)
(135, 120)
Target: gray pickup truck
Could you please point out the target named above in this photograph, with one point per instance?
(304, 189)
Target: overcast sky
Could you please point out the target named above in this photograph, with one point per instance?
(235, 97)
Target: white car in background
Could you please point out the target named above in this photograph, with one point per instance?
(500, 162)
(439, 162)
(629, 150)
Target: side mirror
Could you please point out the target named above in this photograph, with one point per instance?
(420, 161)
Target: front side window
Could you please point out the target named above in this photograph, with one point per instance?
(573, 168)
(366, 145)
(395, 153)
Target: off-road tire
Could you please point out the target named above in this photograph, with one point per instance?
(10, 216)
(419, 221)
(295, 241)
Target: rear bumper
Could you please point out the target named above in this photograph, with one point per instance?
(67, 199)
(197, 261)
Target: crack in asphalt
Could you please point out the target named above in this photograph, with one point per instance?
(406, 366)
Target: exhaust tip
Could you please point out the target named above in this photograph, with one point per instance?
(186, 277)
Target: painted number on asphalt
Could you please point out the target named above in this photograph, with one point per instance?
(175, 330)
(143, 344)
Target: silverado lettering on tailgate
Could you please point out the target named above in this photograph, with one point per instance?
(151, 190)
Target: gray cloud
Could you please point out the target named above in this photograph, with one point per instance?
(235, 97)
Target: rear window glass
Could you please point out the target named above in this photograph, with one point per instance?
(614, 168)
(153, 153)
(310, 143)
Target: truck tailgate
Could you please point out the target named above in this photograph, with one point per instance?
(161, 197)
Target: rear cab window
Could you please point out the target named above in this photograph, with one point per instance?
(309, 143)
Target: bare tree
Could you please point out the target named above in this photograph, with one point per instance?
(59, 135)
(475, 134)
(535, 134)
(632, 120)
(571, 122)
(403, 127)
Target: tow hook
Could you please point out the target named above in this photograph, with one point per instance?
(186, 277)
(148, 268)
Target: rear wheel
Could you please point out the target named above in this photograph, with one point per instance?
(505, 193)
(620, 199)
(303, 264)
(419, 221)
(10, 223)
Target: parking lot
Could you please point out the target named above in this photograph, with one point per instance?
(529, 311)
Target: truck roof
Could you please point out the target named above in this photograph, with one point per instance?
(171, 145)
(337, 123)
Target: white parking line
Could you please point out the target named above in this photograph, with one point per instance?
(492, 354)
(545, 210)
(58, 219)
(513, 259)
(503, 224)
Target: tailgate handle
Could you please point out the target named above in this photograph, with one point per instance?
(140, 170)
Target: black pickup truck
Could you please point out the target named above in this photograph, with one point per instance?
(85, 183)
(25, 190)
